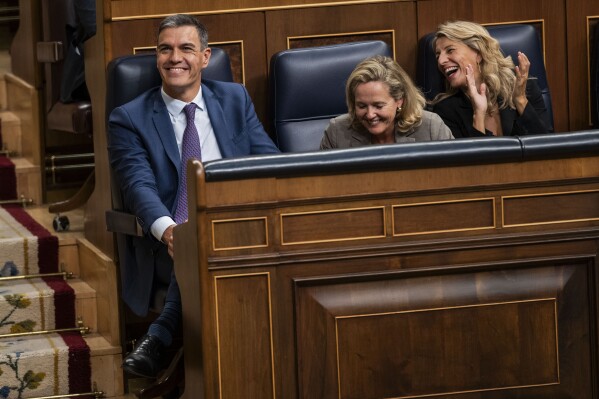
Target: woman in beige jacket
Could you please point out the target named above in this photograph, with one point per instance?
(384, 107)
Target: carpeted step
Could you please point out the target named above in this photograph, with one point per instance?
(55, 364)
(25, 246)
(36, 304)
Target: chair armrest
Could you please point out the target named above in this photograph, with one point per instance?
(123, 223)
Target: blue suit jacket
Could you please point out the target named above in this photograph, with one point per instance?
(146, 164)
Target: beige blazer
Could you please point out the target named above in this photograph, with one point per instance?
(340, 133)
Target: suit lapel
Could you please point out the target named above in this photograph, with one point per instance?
(164, 129)
(218, 122)
(360, 138)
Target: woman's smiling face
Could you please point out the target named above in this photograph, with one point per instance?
(376, 109)
(452, 59)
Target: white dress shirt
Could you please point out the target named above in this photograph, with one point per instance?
(208, 142)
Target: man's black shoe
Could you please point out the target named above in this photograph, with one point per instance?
(146, 360)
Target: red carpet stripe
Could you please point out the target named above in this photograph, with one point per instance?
(47, 243)
(64, 302)
(80, 373)
(8, 177)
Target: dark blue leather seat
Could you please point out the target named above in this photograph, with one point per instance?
(512, 38)
(307, 89)
(595, 78)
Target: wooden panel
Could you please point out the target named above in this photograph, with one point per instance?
(244, 333)
(499, 333)
(239, 233)
(387, 36)
(550, 208)
(444, 216)
(347, 21)
(432, 13)
(333, 225)
(513, 343)
(579, 12)
(136, 8)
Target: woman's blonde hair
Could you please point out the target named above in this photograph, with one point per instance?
(386, 70)
(497, 71)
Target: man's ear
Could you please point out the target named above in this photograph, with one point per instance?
(207, 53)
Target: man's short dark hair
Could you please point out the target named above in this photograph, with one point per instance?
(178, 20)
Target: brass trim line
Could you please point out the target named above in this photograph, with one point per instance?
(210, 44)
(253, 9)
(213, 222)
(23, 201)
(95, 394)
(492, 199)
(334, 211)
(358, 33)
(65, 276)
(82, 330)
(553, 299)
(272, 351)
(503, 197)
(588, 37)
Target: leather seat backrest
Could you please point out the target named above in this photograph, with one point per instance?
(131, 75)
(595, 78)
(512, 38)
(307, 89)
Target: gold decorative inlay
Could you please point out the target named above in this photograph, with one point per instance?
(223, 221)
(503, 198)
(494, 225)
(552, 299)
(383, 228)
(218, 344)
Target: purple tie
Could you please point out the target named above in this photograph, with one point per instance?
(190, 149)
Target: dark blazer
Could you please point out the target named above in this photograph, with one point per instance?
(146, 163)
(457, 113)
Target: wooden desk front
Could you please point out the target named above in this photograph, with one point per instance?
(470, 282)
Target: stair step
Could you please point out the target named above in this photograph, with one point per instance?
(44, 355)
(11, 129)
(106, 362)
(29, 184)
(35, 308)
(85, 304)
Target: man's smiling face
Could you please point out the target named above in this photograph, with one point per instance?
(180, 60)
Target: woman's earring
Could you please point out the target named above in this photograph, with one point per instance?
(398, 110)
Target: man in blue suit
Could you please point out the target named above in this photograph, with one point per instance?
(145, 147)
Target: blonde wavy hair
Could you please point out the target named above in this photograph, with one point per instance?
(386, 70)
(497, 71)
